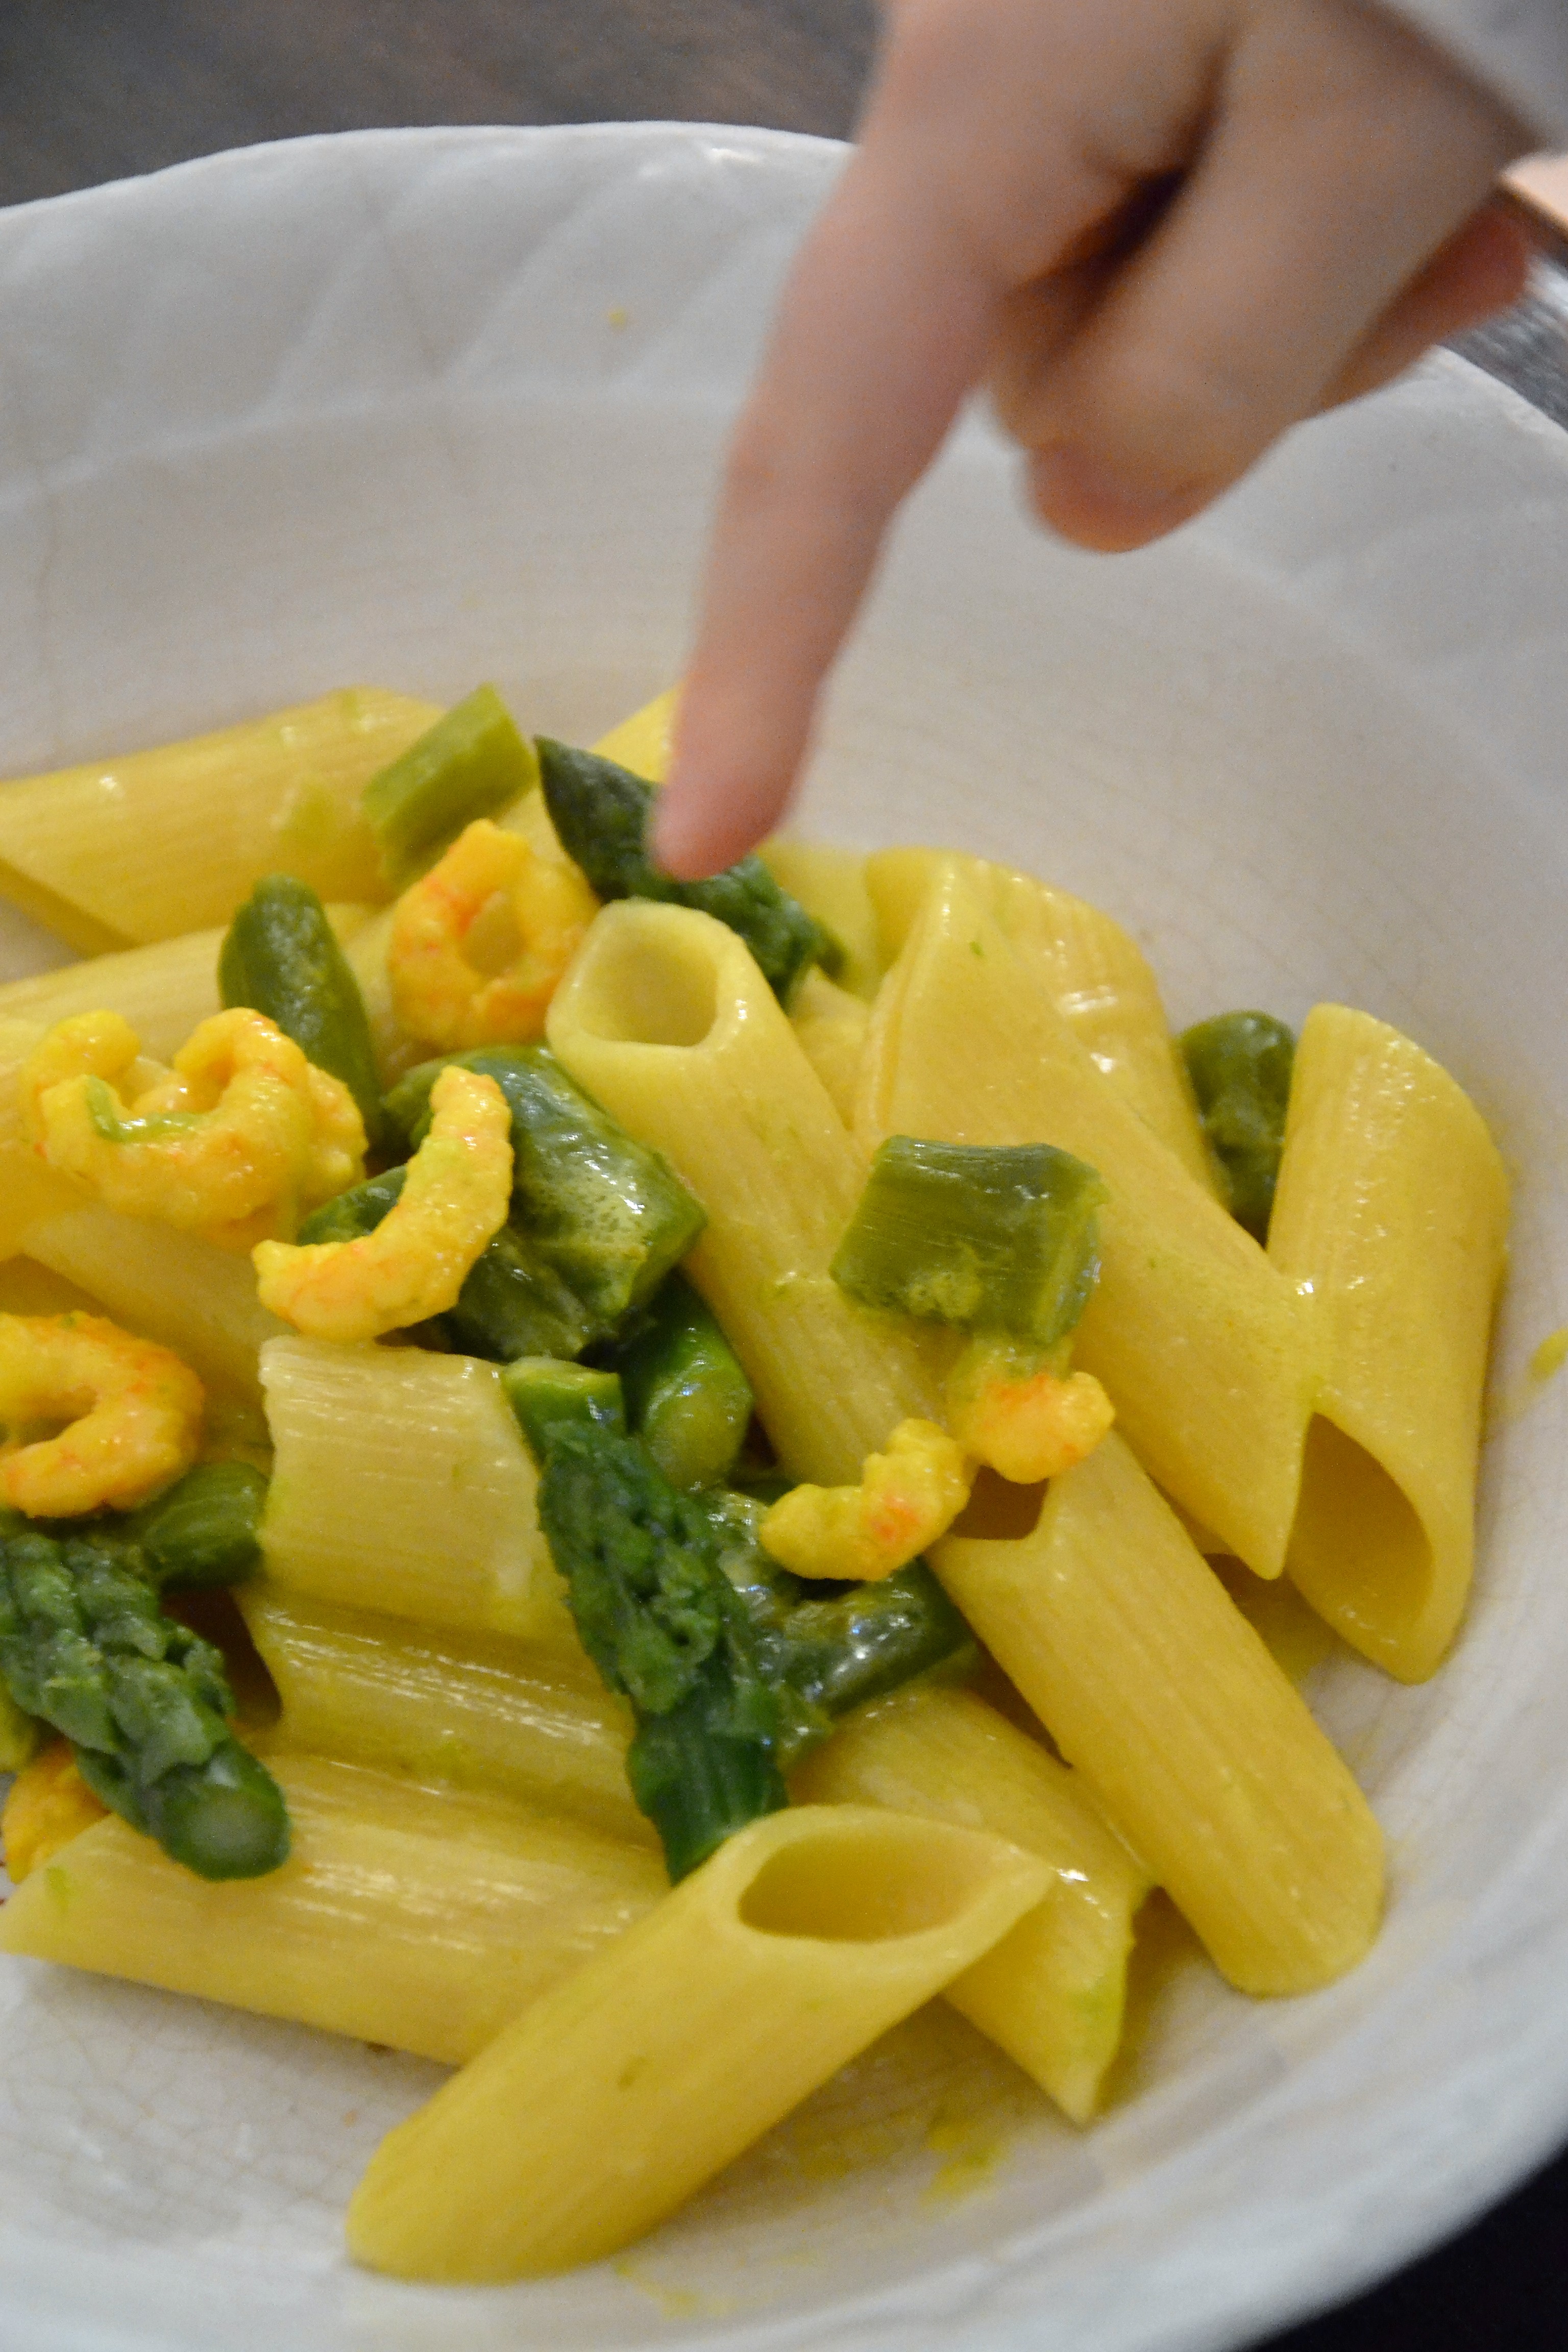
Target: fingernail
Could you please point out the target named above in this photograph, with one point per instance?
(1094, 505)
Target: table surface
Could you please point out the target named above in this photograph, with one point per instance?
(99, 89)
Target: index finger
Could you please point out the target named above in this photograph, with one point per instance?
(884, 323)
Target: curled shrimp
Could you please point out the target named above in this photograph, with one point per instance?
(907, 1497)
(442, 997)
(1016, 1412)
(235, 1143)
(132, 1413)
(457, 1194)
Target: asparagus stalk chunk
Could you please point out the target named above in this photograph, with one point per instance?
(279, 956)
(601, 812)
(606, 1215)
(1240, 1064)
(994, 1237)
(84, 1647)
(666, 1627)
(685, 1396)
(202, 1531)
(548, 1396)
(469, 764)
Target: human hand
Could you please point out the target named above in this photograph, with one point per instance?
(1165, 229)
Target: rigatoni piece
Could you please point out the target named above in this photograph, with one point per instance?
(165, 841)
(666, 1020)
(606, 2105)
(479, 1711)
(1053, 1991)
(419, 1922)
(1204, 1350)
(1155, 1688)
(401, 1483)
(1391, 1211)
(1097, 979)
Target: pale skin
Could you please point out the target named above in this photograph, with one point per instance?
(1163, 231)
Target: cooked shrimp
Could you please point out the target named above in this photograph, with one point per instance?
(132, 1411)
(907, 1498)
(1026, 1422)
(440, 995)
(49, 1804)
(456, 1195)
(243, 1136)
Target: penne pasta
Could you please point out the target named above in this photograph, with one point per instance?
(604, 2105)
(1053, 1991)
(666, 1020)
(478, 1711)
(1204, 1350)
(414, 1922)
(642, 742)
(830, 884)
(831, 1026)
(167, 841)
(164, 990)
(400, 1483)
(1391, 1215)
(1155, 1688)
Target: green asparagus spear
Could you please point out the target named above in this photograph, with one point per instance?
(548, 1396)
(606, 1215)
(1241, 1065)
(685, 1396)
(601, 812)
(997, 1237)
(202, 1531)
(144, 1701)
(469, 764)
(665, 1626)
(280, 956)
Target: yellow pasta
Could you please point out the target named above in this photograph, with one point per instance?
(666, 1020)
(478, 1711)
(831, 1026)
(1157, 1690)
(1053, 1991)
(1392, 1214)
(164, 990)
(831, 884)
(170, 840)
(604, 2105)
(416, 1922)
(400, 1483)
(642, 742)
(1204, 1350)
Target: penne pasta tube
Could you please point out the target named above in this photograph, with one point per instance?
(831, 1026)
(167, 841)
(1094, 973)
(478, 1711)
(1390, 1213)
(164, 990)
(666, 1020)
(1053, 1991)
(416, 1922)
(642, 741)
(194, 1297)
(604, 2105)
(1204, 1350)
(1154, 1687)
(830, 884)
(400, 1483)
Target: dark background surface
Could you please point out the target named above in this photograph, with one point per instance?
(93, 90)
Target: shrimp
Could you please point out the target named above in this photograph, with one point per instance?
(441, 996)
(49, 1804)
(132, 1411)
(907, 1498)
(458, 1193)
(1028, 1422)
(235, 1143)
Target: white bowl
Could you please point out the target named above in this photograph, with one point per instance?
(425, 407)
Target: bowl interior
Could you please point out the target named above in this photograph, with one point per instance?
(425, 408)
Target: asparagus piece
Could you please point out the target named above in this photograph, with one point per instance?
(601, 812)
(469, 764)
(685, 1396)
(202, 1531)
(998, 1237)
(1240, 1064)
(665, 1626)
(144, 1701)
(608, 1217)
(279, 956)
(548, 1396)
